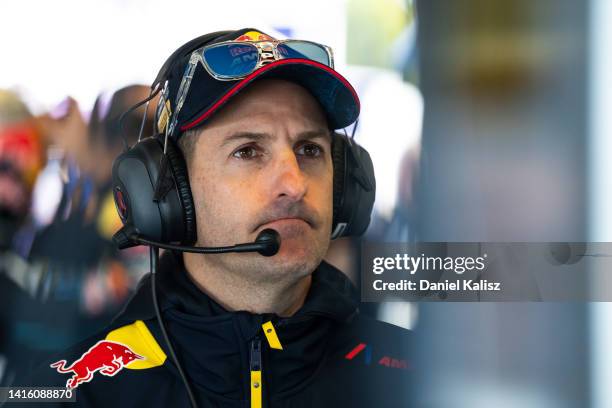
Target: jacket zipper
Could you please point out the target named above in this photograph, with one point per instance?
(255, 363)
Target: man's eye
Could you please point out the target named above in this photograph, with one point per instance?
(246, 153)
(310, 150)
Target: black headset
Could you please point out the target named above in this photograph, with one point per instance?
(153, 196)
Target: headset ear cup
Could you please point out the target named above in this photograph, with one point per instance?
(178, 167)
(360, 190)
(139, 175)
(354, 188)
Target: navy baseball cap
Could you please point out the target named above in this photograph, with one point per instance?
(206, 94)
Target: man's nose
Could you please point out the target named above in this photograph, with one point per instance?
(289, 181)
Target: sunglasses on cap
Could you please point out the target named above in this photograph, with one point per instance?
(234, 60)
(231, 60)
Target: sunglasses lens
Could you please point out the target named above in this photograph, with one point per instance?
(231, 59)
(303, 49)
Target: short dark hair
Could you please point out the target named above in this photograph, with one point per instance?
(186, 143)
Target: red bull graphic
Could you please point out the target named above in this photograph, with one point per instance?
(107, 357)
(254, 36)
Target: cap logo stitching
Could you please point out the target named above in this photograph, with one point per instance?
(254, 36)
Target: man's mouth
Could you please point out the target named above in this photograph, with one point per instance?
(294, 217)
(289, 227)
(287, 220)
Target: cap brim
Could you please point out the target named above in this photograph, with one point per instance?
(334, 93)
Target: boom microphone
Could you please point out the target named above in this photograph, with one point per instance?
(267, 243)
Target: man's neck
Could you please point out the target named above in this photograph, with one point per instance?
(234, 292)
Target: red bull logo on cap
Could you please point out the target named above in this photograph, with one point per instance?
(254, 36)
(106, 357)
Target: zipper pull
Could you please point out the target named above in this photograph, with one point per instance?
(256, 384)
(271, 336)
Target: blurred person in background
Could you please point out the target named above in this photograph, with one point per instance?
(21, 158)
(83, 266)
(72, 268)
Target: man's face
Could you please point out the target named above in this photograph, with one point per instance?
(264, 161)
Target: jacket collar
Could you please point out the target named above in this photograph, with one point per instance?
(213, 343)
(331, 294)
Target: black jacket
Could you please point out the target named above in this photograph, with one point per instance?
(331, 355)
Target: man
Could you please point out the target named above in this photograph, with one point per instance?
(252, 117)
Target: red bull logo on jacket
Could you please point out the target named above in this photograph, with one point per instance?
(105, 357)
